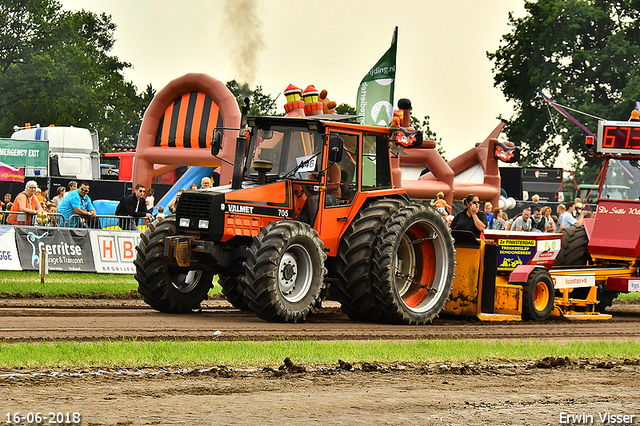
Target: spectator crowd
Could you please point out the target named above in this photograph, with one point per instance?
(72, 206)
(533, 218)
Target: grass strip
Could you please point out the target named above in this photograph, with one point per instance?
(629, 297)
(131, 353)
(26, 284)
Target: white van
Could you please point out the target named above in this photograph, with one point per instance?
(76, 149)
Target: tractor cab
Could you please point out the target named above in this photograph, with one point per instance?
(324, 167)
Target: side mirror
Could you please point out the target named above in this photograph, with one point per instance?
(336, 148)
(216, 143)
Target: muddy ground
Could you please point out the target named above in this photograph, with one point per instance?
(496, 393)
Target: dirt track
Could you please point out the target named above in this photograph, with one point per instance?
(94, 319)
(509, 393)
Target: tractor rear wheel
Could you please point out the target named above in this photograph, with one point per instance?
(574, 250)
(352, 265)
(233, 290)
(413, 265)
(284, 272)
(538, 294)
(165, 287)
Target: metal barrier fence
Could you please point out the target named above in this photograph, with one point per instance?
(110, 222)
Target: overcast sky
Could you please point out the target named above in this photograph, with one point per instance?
(441, 66)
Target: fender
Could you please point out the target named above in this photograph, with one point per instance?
(522, 272)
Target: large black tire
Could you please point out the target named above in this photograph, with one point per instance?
(574, 252)
(167, 288)
(538, 294)
(574, 249)
(605, 299)
(352, 265)
(233, 290)
(284, 272)
(413, 265)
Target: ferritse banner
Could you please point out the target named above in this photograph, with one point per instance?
(114, 252)
(9, 259)
(66, 249)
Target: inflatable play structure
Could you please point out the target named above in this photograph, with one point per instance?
(178, 127)
(473, 172)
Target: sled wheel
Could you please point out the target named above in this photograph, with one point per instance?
(352, 265)
(538, 296)
(413, 265)
(233, 291)
(167, 288)
(284, 272)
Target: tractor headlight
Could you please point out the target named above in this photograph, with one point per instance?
(184, 222)
(203, 224)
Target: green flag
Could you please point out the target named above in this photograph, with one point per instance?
(374, 102)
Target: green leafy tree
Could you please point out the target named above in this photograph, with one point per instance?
(345, 108)
(261, 103)
(581, 53)
(55, 68)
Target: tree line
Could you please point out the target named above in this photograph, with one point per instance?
(56, 68)
(584, 54)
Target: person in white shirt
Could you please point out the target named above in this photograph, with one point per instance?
(150, 200)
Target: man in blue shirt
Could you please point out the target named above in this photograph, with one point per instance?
(565, 216)
(78, 203)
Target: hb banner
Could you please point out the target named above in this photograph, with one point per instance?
(114, 252)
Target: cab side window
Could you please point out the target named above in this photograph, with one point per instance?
(376, 168)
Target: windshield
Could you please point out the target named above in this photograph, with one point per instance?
(621, 181)
(111, 161)
(286, 148)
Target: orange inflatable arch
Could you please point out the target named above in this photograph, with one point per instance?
(178, 126)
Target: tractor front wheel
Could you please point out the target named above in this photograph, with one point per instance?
(538, 296)
(574, 249)
(284, 272)
(165, 287)
(605, 299)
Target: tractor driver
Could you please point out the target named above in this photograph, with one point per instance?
(334, 191)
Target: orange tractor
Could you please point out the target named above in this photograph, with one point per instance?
(311, 207)
(316, 207)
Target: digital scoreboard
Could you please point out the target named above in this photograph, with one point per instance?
(619, 137)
